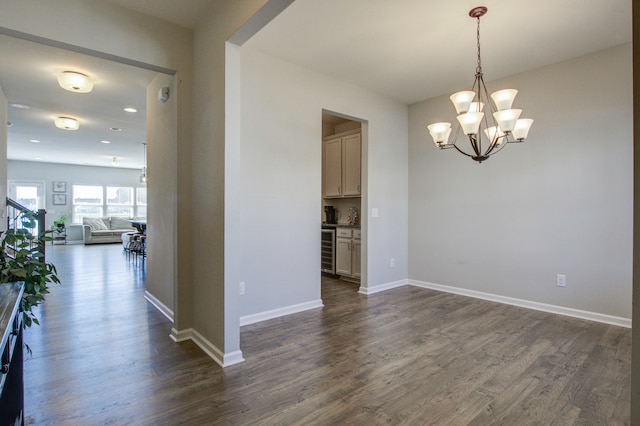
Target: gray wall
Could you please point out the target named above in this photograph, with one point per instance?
(214, 311)
(561, 203)
(162, 147)
(278, 254)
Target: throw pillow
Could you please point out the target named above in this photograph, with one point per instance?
(120, 223)
(96, 224)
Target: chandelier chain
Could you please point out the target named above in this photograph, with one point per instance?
(479, 66)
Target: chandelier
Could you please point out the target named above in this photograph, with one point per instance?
(501, 125)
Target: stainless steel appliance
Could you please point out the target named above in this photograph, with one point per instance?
(330, 214)
(328, 251)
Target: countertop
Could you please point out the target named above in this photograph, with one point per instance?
(10, 297)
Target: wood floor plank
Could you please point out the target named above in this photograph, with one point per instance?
(407, 356)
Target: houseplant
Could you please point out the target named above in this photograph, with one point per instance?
(22, 260)
(61, 222)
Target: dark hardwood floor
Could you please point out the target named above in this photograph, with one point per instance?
(407, 356)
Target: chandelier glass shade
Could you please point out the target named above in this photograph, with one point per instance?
(487, 122)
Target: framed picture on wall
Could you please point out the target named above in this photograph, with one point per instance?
(59, 187)
(59, 199)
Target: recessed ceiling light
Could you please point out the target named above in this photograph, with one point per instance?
(105, 142)
(34, 141)
(130, 109)
(115, 129)
(9, 124)
(19, 106)
(75, 82)
(66, 123)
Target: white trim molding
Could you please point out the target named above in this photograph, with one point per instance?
(554, 309)
(382, 287)
(159, 305)
(280, 312)
(221, 358)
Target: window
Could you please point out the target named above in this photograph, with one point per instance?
(141, 202)
(115, 201)
(119, 201)
(87, 202)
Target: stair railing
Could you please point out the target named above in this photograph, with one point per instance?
(20, 217)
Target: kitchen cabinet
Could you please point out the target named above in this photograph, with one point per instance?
(341, 166)
(348, 252)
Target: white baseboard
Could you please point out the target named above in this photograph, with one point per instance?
(159, 305)
(222, 359)
(280, 312)
(382, 287)
(554, 309)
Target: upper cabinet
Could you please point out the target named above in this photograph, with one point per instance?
(341, 166)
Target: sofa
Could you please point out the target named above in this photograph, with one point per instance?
(99, 230)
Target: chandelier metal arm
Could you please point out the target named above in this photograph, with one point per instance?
(461, 151)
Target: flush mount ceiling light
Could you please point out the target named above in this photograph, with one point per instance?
(66, 123)
(75, 82)
(130, 109)
(105, 142)
(500, 127)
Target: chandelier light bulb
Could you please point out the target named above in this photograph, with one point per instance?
(75, 82)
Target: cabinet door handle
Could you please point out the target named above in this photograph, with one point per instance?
(339, 190)
(358, 188)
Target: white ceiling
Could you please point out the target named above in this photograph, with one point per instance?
(185, 13)
(407, 50)
(28, 76)
(411, 50)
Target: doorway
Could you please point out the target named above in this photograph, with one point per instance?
(342, 195)
(28, 193)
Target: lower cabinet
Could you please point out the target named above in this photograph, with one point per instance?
(348, 252)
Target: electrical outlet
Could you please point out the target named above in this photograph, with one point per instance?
(561, 280)
(392, 263)
(242, 288)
